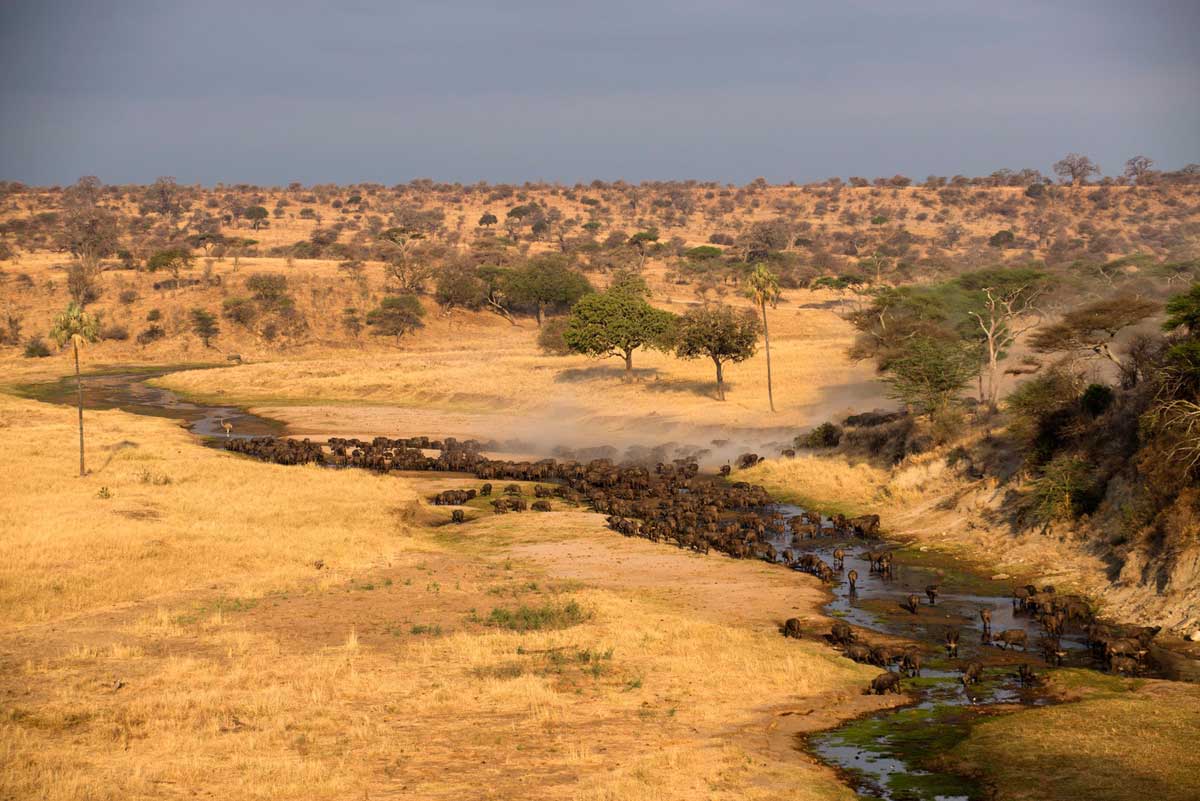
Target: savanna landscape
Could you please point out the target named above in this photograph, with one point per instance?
(756, 401)
(564, 570)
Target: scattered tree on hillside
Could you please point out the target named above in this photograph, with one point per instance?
(487, 220)
(257, 215)
(543, 283)
(1138, 169)
(459, 285)
(762, 286)
(77, 328)
(618, 321)
(173, 260)
(1007, 308)
(396, 316)
(1075, 168)
(204, 325)
(89, 232)
(720, 333)
(1093, 327)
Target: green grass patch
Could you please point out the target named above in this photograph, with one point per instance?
(539, 618)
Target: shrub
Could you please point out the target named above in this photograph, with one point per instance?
(537, 618)
(153, 315)
(239, 310)
(1096, 399)
(878, 219)
(153, 333)
(36, 348)
(128, 296)
(1061, 489)
(550, 338)
(1002, 239)
(267, 288)
(118, 333)
(826, 435)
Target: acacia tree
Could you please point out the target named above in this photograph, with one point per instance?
(1093, 327)
(720, 333)
(396, 315)
(77, 327)
(618, 321)
(762, 286)
(1076, 168)
(1006, 309)
(929, 373)
(1138, 169)
(204, 325)
(257, 215)
(173, 260)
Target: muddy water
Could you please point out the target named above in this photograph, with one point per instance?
(129, 392)
(886, 756)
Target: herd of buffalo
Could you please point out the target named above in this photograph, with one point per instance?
(673, 502)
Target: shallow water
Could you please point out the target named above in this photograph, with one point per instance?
(881, 755)
(129, 392)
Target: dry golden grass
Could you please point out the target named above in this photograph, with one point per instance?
(176, 639)
(1122, 746)
(180, 516)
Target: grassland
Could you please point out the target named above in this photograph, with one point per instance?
(178, 635)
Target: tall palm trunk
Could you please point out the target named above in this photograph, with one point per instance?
(767, 339)
(79, 391)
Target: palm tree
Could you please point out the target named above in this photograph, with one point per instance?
(763, 288)
(78, 328)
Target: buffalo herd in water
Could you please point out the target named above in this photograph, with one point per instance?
(672, 502)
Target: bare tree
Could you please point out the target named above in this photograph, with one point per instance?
(1008, 309)
(1138, 169)
(1075, 167)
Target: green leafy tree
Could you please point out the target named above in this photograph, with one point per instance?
(257, 215)
(762, 286)
(1183, 311)
(204, 325)
(172, 260)
(618, 321)
(543, 283)
(459, 285)
(396, 316)
(720, 333)
(76, 328)
(929, 373)
(487, 220)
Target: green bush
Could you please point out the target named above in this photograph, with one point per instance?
(826, 435)
(537, 618)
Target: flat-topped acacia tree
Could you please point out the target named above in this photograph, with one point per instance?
(76, 328)
(618, 321)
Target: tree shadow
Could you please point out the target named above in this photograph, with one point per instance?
(113, 450)
(602, 372)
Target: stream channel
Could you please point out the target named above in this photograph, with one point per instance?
(885, 755)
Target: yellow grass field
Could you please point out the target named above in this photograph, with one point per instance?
(177, 636)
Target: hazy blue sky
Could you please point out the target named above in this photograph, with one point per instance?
(269, 92)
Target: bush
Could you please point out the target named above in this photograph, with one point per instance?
(117, 333)
(267, 288)
(153, 333)
(1096, 399)
(537, 618)
(550, 339)
(153, 315)
(239, 310)
(1002, 239)
(36, 348)
(826, 435)
(878, 219)
(128, 296)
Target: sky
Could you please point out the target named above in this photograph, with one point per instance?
(269, 92)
